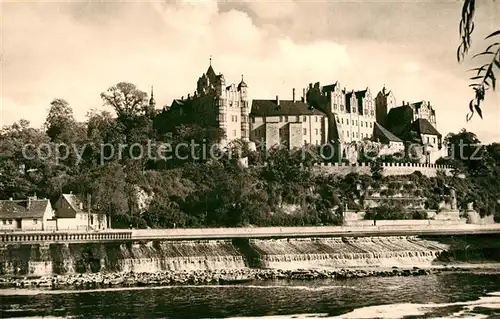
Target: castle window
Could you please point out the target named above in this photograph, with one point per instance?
(347, 121)
(281, 118)
(361, 122)
(433, 140)
(253, 119)
(297, 119)
(347, 133)
(35, 221)
(342, 121)
(335, 107)
(371, 113)
(338, 121)
(316, 131)
(370, 124)
(316, 118)
(305, 131)
(4, 222)
(357, 134)
(305, 118)
(305, 142)
(356, 123)
(342, 108)
(352, 134)
(286, 118)
(361, 133)
(10, 221)
(234, 132)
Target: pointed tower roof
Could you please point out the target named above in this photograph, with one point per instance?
(242, 83)
(212, 76)
(152, 101)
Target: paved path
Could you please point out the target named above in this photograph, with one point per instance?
(272, 232)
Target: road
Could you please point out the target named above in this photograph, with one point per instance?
(290, 232)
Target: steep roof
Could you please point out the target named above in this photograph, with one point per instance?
(285, 107)
(422, 126)
(360, 94)
(385, 133)
(211, 75)
(330, 87)
(34, 208)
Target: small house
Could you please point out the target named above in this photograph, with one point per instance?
(74, 213)
(29, 214)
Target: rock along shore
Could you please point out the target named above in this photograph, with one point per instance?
(230, 276)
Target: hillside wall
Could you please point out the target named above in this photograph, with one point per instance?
(389, 169)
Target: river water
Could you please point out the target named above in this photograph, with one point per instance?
(447, 295)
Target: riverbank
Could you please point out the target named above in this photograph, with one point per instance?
(221, 277)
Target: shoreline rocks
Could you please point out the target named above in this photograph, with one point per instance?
(206, 277)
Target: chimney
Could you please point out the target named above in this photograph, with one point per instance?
(293, 95)
(71, 192)
(277, 100)
(29, 203)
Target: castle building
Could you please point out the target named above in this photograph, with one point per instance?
(215, 104)
(411, 122)
(351, 114)
(287, 122)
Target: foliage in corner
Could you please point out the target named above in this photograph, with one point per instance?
(484, 79)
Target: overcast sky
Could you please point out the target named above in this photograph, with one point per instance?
(76, 50)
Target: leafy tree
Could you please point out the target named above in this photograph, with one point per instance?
(485, 74)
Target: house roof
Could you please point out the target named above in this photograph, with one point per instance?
(387, 134)
(34, 208)
(285, 107)
(74, 202)
(360, 94)
(330, 87)
(422, 126)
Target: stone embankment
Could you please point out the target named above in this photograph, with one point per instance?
(234, 276)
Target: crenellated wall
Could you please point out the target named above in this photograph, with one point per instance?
(389, 169)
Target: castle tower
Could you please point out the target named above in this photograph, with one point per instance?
(152, 102)
(245, 110)
(384, 102)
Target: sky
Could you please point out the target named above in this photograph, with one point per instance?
(77, 49)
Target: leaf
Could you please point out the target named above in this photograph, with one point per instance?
(476, 77)
(478, 110)
(469, 116)
(471, 106)
(497, 63)
(482, 53)
(493, 34)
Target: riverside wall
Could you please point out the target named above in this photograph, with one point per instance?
(389, 169)
(239, 256)
(362, 228)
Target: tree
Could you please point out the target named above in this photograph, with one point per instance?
(126, 99)
(485, 74)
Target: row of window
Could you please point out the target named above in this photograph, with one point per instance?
(317, 142)
(257, 132)
(355, 122)
(355, 135)
(294, 119)
(354, 110)
(9, 221)
(316, 131)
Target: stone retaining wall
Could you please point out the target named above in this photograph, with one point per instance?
(389, 169)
